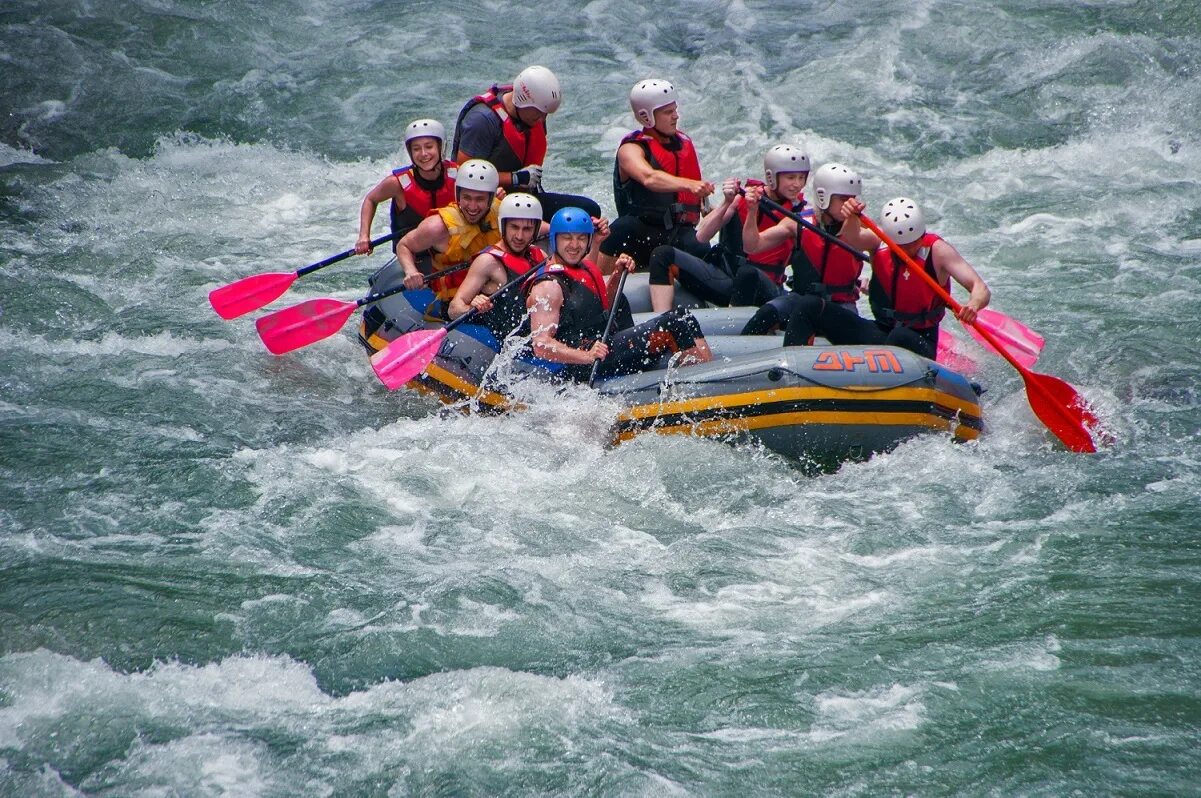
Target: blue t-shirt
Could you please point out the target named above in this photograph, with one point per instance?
(480, 132)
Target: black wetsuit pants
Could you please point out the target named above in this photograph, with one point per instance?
(812, 315)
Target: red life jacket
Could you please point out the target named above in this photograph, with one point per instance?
(774, 261)
(902, 298)
(516, 265)
(508, 307)
(665, 209)
(836, 269)
(426, 200)
(586, 273)
(521, 146)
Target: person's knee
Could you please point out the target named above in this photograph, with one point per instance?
(661, 261)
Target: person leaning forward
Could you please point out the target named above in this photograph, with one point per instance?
(506, 125)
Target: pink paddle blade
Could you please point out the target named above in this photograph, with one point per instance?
(249, 293)
(406, 357)
(1019, 340)
(303, 324)
(952, 355)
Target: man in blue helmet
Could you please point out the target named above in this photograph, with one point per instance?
(569, 301)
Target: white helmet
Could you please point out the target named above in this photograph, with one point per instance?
(477, 175)
(537, 87)
(903, 220)
(831, 179)
(425, 127)
(519, 206)
(648, 96)
(781, 159)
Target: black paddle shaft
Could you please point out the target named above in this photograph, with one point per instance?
(621, 284)
(332, 259)
(367, 300)
(796, 217)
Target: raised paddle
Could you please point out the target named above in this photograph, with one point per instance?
(1018, 339)
(407, 356)
(259, 290)
(309, 322)
(1055, 402)
(621, 284)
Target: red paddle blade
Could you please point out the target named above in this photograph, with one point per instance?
(1019, 340)
(249, 293)
(406, 357)
(1062, 409)
(303, 324)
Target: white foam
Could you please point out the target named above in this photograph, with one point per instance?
(866, 715)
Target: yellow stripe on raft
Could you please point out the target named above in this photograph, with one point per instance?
(735, 400)
(730, 426)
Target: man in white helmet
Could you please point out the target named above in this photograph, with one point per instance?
(456, 233)
(506, 125)
(907, 311)
(416, 190)
(657, 182)
(728, 275)
(520, 219)
(819, 266)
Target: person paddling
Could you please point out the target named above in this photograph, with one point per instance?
(727, 275)
(414, 191)
(907, 310)
(506, 125)
(568, 301)
(657, 182)
(819, 267)
(456, 233)
(520, 219)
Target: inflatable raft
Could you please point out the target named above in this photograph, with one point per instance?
(815, 403)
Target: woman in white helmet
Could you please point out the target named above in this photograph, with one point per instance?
(907, 312)
(657, 181)
(416, 190)
(506, 125)
(520, 219)
(727, 275)
(820, 267)
(456, 233)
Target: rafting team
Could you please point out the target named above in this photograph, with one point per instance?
(447, 213)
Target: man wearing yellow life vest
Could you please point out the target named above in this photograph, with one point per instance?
(506, 125)
(657, 182)
(417, 190)
(457, 232)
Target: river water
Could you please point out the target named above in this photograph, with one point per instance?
(226, 573)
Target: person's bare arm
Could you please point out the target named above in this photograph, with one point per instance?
(386, 189)
(430, 234)
(951, 263)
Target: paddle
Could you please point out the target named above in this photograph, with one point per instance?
(1054, 402)
(621, 284)
(311, 321)
(1019, 340)
(258, 290)
(407, 356)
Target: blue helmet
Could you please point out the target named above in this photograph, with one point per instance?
(569, 220)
